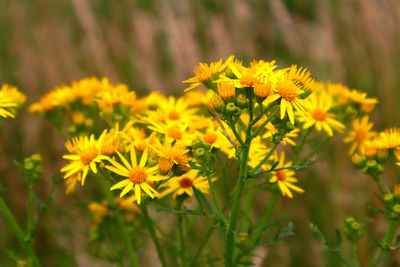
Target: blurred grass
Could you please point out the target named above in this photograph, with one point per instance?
(153, 45)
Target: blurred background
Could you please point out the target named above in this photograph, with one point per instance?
(152, 45)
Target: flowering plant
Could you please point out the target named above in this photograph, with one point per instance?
(206, 157)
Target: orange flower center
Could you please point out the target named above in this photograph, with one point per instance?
(210, 138)
(248, 80)
(175, 133)
(185, 182)
(137, 175)
(165, 165)
(88, 155)
(174, 115)
(288, 92)
(281, 175)
(361, 135)
(318, 114)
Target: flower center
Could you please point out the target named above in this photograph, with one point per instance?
(361, 135)
(88, 155)
(185, 182)
(318, 114)
(174, 115)
(210, 138)
(137, 175)
(288, 91)
(281, 175)
(175, 133)
(165, 165)
(249, 80)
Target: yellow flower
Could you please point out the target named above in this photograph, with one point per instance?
(289, 93)
(302, 77)
(10, 99)
(390, 138)
(204, 73)
(138, 175)
(285, 178)
(169, 154)
(226, 89)
(182, 184)
(361, 132)
(317, 114)
(115, 95)
(85, 154)
(367, 104)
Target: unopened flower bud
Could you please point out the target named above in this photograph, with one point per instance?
(396, 209)
(242, 101)
(217, 103)
(226, 90)
(200, 152)
(388, 198)
(263, 90)
(358, 160)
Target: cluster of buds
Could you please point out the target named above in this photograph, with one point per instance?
(392, 203)
(201, 151)
(33, 167)
(353, 230)
(371, 167)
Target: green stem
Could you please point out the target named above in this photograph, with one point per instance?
(150, 227)
(264, 123)
(264, 219)
(230, 241)
(121, 224)
(181, 240)
(315, 150)
(387, 239)
(301, 144)
(379, 183)
(356, 263)
(25, 244)
(264, 160)
(215, 200)
(30, 210)
(247, 206)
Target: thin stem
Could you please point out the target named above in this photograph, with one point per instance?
(181, 240)
(380, 185)
(150, 227)
(121, 224)
(215, 200)
(356, 263)
(264, 220)
(247, 206)
(233, 128)
(315, 150)
(300, 146)
(201, 247)
(264, 123)
(30, 209)
(264, 159)
(25, 244)
(387, 239)
(235, 207)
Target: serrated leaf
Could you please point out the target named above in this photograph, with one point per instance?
(317, 233)
(203, 201)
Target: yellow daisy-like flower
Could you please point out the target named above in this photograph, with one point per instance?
(367, 104)
(10, 99)
(204, 73)
(390, 138)
(302, 77)
(138, 175)
(85, 154)
(361, 133)
(285, 178)
(180, 185)
(289, 93)
(318, 115)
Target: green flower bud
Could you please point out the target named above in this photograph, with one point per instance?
(396, 209)
(200, 152)
(388, 198)
(242, 101)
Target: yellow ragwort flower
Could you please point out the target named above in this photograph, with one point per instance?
(285, 178)
(289, 93)
(182, 184)
(10, 99)
(204, 73)
(317, 114)
(85, 154)
(361, 133)
(139, 176)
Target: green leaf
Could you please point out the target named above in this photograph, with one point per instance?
(204, 202)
